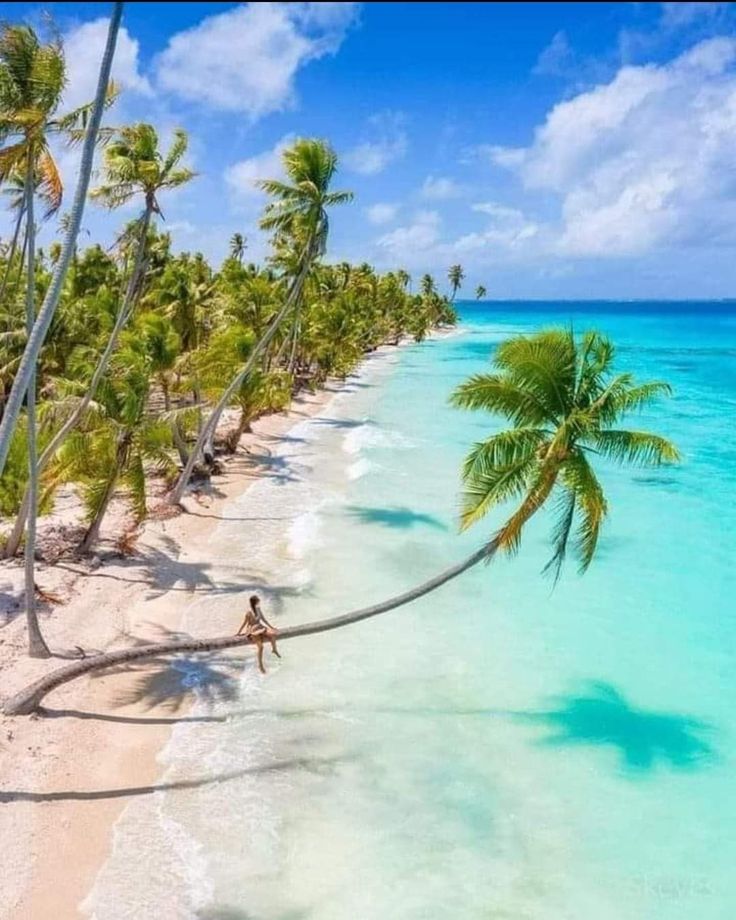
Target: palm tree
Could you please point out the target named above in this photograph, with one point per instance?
(298, 212)
(480, 292)
(456, 276)
(32, 80)
(427, 286)
(563, 403)
(126, 438)
(35, 341)
(184, 293)
(237, 247)
(134, 166)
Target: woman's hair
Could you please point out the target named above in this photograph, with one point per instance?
(254, 602)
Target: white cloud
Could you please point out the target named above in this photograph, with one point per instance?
(555, 60)
(499, 212)
(440, 188)
(411, 244)
(641, 161)
(181, 226)
(246, 59)
(681, 14)
(84, 47)
(242, 177)
(381, 213)
(387, 142)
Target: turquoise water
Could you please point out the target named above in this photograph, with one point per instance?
(499, 749)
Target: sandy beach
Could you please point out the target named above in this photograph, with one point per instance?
(67, 775)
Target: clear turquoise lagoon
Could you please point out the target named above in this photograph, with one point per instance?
(499, 750)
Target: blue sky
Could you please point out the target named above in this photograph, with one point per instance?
(555, 150)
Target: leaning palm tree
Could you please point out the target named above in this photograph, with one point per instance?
(563, 404)
(237, 247)
(299, 211)
(480, 292)
(35, 342)
(455, 276)
(134, 166)
(32, 81)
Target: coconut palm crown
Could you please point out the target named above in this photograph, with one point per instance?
(300, 206)
(565, 405)
(134, 164)
(32, 83)
(455, 276)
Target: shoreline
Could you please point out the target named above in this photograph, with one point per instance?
(67, 776)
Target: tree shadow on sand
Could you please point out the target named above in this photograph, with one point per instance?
(397, 517)
(319, 765)
(226, 912)
(170, 684)
(643, 739)
(164, 571)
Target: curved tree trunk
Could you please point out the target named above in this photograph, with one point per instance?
(206, 435)
(37, 647)
(51, 301)
(31, 697)
(126, 308)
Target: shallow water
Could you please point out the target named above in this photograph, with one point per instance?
(551, 755)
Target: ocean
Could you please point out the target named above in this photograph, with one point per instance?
(503, 749)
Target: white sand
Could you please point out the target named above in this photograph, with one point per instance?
(55, 831)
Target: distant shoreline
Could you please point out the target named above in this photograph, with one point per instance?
(680, 302)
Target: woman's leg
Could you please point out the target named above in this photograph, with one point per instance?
(259, 647)
(272, 640)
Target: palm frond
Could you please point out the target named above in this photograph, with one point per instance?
(641, 448)
(592, 507)
(486, 489)
(561, 533)
(503, 450)
(494, 393)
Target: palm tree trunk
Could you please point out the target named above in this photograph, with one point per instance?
(129, 301)
(12, 250)
(180, 442)
(51, 301)
(93, 531)
(243, 426)
(176, 429)
(37, 647)
(30, 698)
(294, 343)
(280, 353)
(207, 434)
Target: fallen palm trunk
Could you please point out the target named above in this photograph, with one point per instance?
(30, 698)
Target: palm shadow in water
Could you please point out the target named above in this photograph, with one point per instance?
(397, 517)
(599, 716)
(645, 740)
(340, 422)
